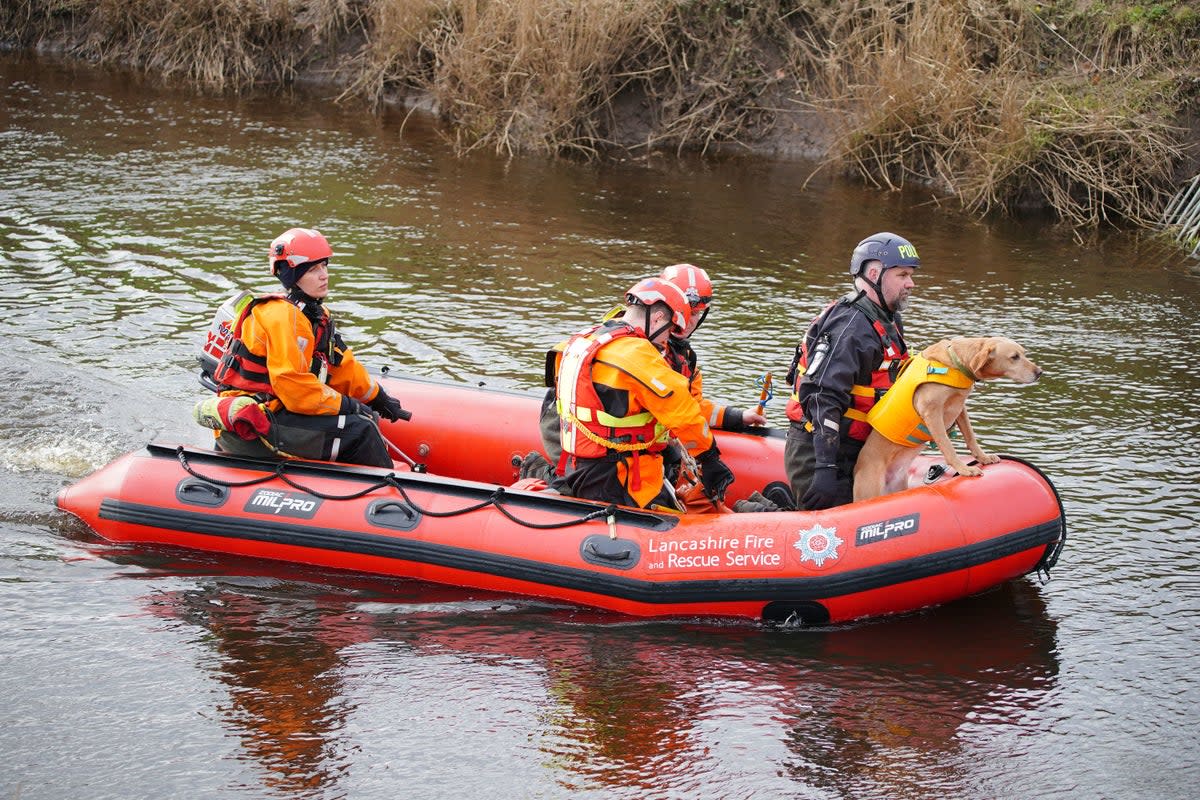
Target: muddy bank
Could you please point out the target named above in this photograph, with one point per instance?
(1085, 108)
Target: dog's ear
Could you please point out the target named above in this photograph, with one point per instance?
(980, 358)
(939, 351)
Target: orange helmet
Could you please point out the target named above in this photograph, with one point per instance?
(693, 282)
(294, 251)
(656, 290)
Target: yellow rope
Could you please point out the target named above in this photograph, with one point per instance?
(276, 450)
(620, 447)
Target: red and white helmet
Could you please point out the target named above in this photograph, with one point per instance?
(656, 290)
(693, 282)
(296, 248)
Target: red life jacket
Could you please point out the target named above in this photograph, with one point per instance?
(862, 396)
(588, 430)
(246, 371)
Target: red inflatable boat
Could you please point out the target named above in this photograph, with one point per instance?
(459, 522)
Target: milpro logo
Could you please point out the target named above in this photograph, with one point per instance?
(285, 504)
(907, 250)
(888, 529)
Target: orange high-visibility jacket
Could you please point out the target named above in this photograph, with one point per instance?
(278, 331)
(631, 368)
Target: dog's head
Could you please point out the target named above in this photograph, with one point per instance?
(999, 357)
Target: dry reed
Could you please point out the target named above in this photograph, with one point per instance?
(986, 100)
(960, 96)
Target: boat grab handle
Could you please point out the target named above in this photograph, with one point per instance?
(618, 553)
(198, 492)
(619, 556)
(393, 514)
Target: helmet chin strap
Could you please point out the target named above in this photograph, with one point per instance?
(883, 303)
(297, 294)
(880, 300)
(646, 326)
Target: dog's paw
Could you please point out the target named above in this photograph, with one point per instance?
(969, 472)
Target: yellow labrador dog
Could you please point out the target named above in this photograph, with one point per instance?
(929, 397)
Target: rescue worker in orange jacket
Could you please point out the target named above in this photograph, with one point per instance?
(287, 353)
(619, 401)
(697, 288)
(849, 357)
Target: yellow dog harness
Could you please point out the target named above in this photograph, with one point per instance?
(895, 417)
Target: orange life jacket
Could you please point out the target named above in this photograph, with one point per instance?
(588, 430)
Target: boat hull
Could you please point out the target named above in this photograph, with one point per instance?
(931, 544)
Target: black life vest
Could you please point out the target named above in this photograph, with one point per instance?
(862, 396)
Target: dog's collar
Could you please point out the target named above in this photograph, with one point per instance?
(959, 365)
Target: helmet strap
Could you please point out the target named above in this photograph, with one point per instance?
(878, 287)
(297, 295)
(652, 335)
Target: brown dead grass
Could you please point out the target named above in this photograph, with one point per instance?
(984, 101)
(534, 75)
(996, 102)
(221, 44)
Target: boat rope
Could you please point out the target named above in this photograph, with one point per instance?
(183, 462)
(495, 499)
(279, 473)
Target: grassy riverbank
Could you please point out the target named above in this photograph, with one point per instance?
(1085, 107)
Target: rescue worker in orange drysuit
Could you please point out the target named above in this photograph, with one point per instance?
(698, 289)
(287, 353)
(618, 402)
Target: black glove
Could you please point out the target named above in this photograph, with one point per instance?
(823, 492)
(715, 477)
(672, 462)
(352, 406)
(389, 407)
(757, 502)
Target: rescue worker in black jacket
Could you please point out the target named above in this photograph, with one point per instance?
(849, 357)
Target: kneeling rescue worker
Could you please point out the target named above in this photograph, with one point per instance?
(309, 396)
(619, 402)
(677, 350)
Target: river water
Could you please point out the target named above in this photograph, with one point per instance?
(128, 211)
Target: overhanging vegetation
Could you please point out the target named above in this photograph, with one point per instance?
(1081, 107)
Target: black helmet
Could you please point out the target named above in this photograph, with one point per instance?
(888, 248)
